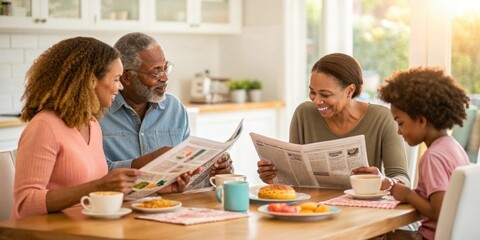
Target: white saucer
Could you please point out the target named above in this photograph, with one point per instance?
(115, 215)
(366, 197)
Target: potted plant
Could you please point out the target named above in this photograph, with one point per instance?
(254, 90)
(238, 90)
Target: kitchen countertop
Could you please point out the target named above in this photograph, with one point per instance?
(10, 122)
(202, 108)
(223, 107)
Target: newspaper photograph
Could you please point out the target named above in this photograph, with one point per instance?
(326, 164)
(189, 155)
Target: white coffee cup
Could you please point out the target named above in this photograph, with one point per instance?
(103, 202)
(219, 179)
(366, 184)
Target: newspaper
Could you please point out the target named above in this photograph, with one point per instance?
(189, 155)
(326, 164)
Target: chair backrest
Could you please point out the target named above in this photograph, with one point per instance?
(462, 134)
(459, 215)
(7, 175)
(478, 156)
(412, 161)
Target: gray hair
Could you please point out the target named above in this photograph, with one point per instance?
(130, 45)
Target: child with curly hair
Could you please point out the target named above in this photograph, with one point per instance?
(425, 103)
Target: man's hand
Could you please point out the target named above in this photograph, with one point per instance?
(223, 165)
(181, 183)
(145, 159)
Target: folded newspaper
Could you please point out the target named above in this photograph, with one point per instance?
(189, 155)
(326, 164)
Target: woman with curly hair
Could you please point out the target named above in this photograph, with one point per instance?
(60, 152)
(425, 103)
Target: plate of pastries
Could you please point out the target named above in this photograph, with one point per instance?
(276, 193)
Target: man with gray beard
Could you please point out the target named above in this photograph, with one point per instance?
(145, 121)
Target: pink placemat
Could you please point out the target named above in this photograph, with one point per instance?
(189, 216)
(346, 200)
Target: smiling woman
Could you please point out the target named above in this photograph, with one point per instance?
(60, 153)
(334, 112)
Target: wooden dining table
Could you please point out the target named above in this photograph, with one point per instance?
(349, 223)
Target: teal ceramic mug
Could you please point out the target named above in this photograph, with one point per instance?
(234, 195)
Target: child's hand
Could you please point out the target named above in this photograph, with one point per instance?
(400, 192)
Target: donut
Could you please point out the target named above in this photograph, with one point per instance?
(277, 191)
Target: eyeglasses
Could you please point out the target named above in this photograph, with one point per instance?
(163, 73)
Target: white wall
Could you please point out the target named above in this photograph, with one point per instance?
(258, 52)
(189, 53)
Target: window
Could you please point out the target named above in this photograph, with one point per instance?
(381, 33)
(314, 31)
(380, 30)
(465, 39)
(380, 40)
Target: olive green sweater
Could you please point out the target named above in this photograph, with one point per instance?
(385, 148)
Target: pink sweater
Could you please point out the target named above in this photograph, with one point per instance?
(53, 156)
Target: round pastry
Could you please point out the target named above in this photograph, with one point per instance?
(277, 191)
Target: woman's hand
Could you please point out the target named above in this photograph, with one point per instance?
(120, 179)
(365, 170)
(223, 165)
(267, 171)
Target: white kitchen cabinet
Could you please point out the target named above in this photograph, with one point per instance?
(174, 16)
(220, 125)
(46, 14)
(118, 14)
(202, 16)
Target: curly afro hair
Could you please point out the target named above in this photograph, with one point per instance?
(61, 80)
(427, 92)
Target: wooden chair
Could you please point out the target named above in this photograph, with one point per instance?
(460, 209)
(7, 175)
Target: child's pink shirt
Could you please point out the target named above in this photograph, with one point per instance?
(434, 170)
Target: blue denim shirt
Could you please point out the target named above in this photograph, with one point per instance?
(126, 136)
